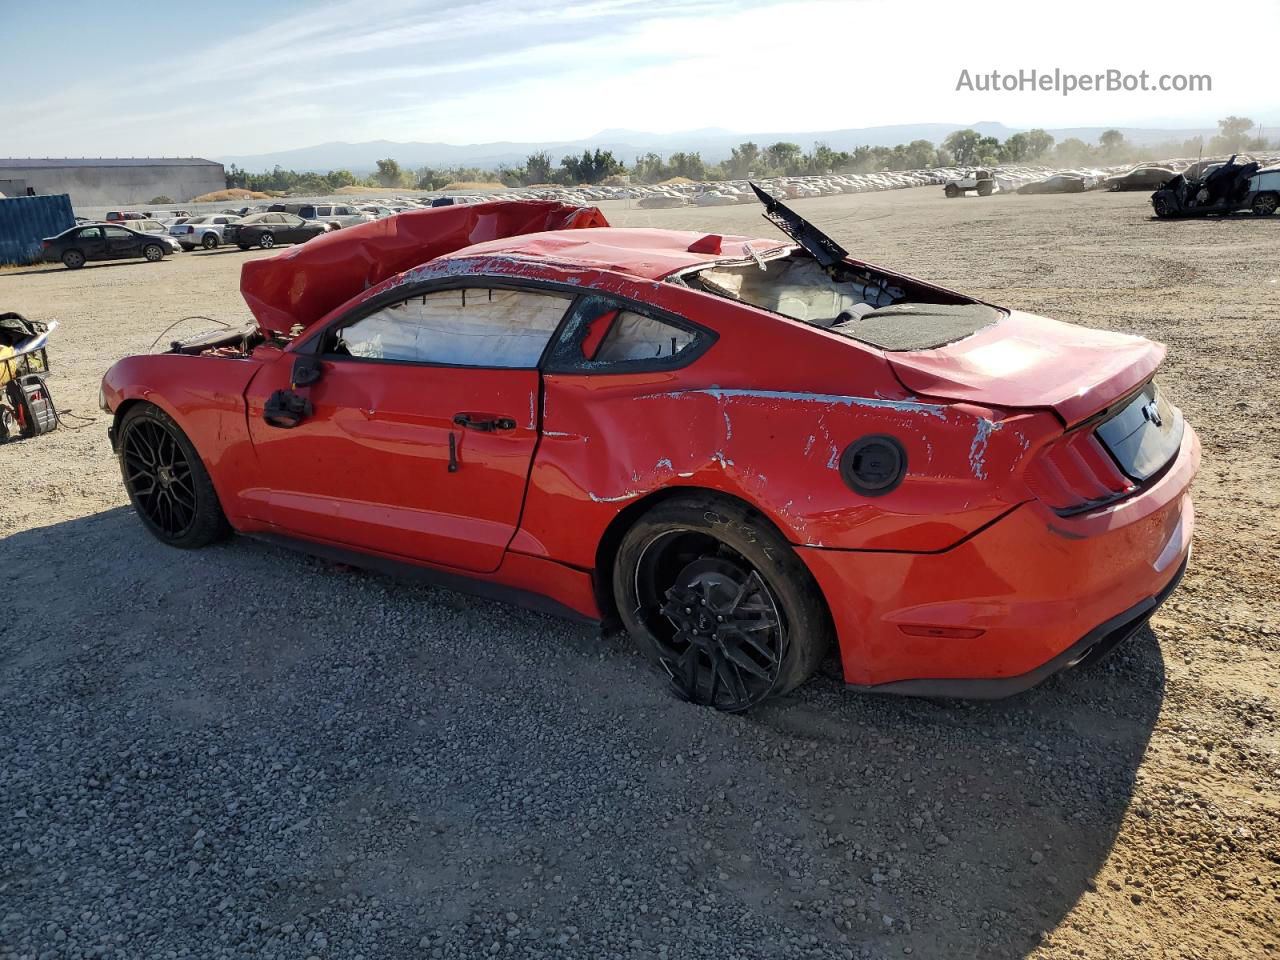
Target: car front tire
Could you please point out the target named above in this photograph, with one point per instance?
(1264, 204)
(153, 252)
(166, 480)
(210, 241)
(266, 241)
(717, 598)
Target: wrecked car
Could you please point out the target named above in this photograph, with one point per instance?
(744, 450)
(1060, 183)
(1139, 178)
(1222, 190)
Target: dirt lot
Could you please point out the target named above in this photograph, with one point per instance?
(241, 751)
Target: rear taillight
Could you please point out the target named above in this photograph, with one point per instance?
(1075, 473)
(45, 244)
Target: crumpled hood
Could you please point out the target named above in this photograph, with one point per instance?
(304, 283)
(1027, 361)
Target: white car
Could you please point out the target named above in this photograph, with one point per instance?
(148, 226)
(203, 231)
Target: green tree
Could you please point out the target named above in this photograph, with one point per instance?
(389, 173)
(1039, 142)
(1233, 135)
(1072, 151)
(1015, 149)
(1112, 142)
(963, 145)
(743, 161)
(920, 154)
(590, 167)
(783, 157)
(537, 168)
(339, 178)
(687, 165)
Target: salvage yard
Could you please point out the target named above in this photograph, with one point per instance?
(242, 751)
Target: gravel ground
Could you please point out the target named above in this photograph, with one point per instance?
(246, 752)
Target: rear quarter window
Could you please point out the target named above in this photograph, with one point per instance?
(605, 335)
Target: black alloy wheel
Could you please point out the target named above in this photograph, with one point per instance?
(721, 603)
(166, 480)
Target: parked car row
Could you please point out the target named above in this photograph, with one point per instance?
(152, 240)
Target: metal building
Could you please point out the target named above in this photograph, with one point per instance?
(122, 181)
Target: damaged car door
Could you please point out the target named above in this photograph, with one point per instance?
(407, 427)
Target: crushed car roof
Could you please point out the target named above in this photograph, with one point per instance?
(298, 287)
(645, 253)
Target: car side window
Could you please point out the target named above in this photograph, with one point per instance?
(91, 233)
(116, 232)
(290, 220)
(475, 327)
(604, 335)
(633, 336)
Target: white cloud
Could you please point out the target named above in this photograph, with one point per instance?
(539, 70)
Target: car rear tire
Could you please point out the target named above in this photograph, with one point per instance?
(951, 191)
(266, 241)
(985, 189)
(73, 259)
(167, 482)
(720, 602)
(1162, 207)
(209, 241)
(153, 252)
(1264, 204)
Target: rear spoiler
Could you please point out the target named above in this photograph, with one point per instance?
(303, 284)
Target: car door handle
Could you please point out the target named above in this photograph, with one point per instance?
(480, 421)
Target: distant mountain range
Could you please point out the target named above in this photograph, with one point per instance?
(713, 144)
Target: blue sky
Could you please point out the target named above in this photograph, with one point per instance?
(146, 78)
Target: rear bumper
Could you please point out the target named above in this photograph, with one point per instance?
(1093, 646)
(1026, 597)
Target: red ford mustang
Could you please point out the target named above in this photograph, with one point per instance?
(745, 449)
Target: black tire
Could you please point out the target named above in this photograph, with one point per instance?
(73, 259)
(1162, 207)
(209, 241)
(153, 252)
(720, 602)
(243, 246)
(167, 482)
(985, 189)
(267, 240)
(1264, 204)
(951, 191)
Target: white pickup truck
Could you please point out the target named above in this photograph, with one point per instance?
(203, 231)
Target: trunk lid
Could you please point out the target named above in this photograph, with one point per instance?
(1025, 361)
